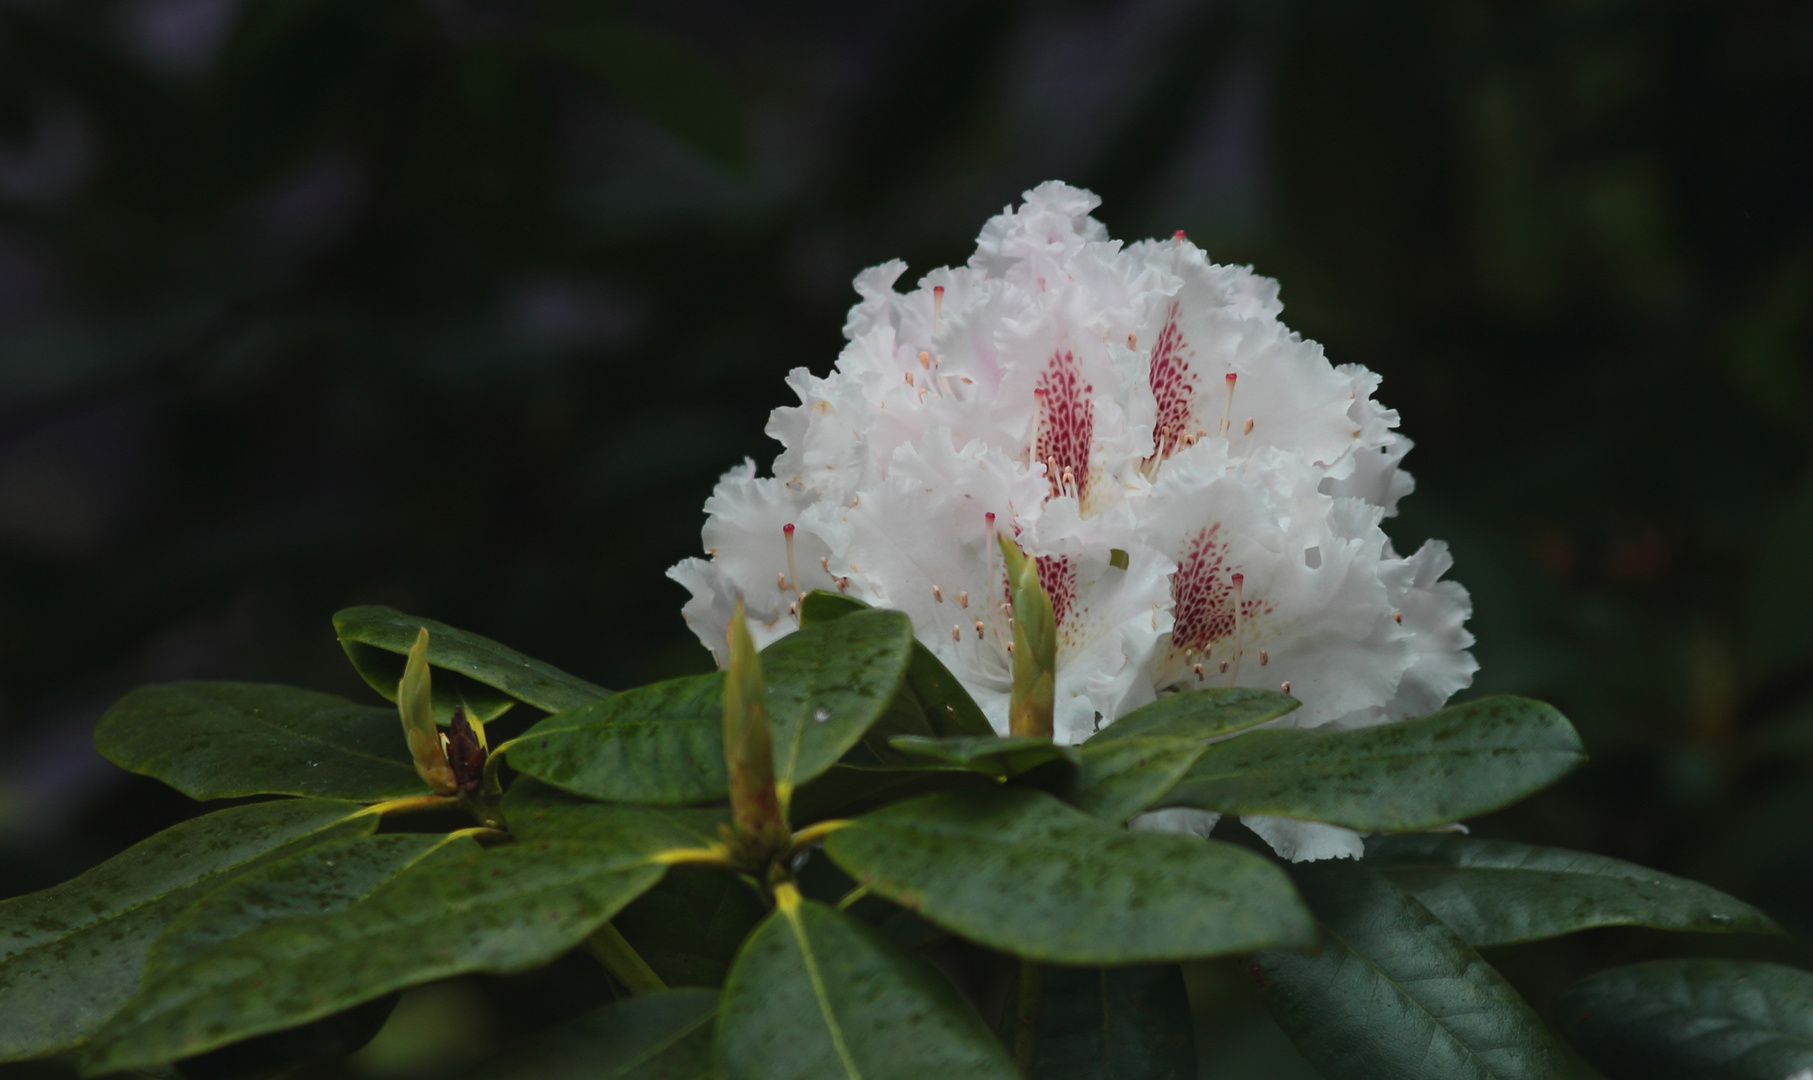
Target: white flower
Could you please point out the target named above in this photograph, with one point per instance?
(1202, 488)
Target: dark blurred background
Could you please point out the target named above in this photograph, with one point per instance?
(463, 306)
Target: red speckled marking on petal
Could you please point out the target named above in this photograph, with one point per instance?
(1057, 575)
(1066, 423)
(1174, 385)
(1202, 594)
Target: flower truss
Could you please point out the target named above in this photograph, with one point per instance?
(1202, 490)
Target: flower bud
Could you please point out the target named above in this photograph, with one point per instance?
(761, 827)
(415, 701)
(1035, 655)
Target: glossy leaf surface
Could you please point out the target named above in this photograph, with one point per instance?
(1499, 892)
(947, 704)
(1119, 1023)
(71, 955)
(689, 926)
(1199, 714)
(537, 812)
(826, 684)
(1117, 780)
(1391, 992)
(377, 639)
(1018, 870)
(662, 743)
(1418, 774)
(219, 740)
(1693, 1020)
(455, 911)
(660, 1036)
(1005, 755)
(816, 995)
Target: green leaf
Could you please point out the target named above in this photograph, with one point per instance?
(1198, 714)
(537, 812)
(71, 955)
(1418, 774)
(455, 911)
(661, 1036)
(1392, 992)
(1498, 892)
(689, 926)
(1118, 780)
(995, 755)
(376, 640)
(221, 740)
(326, 877)
(662, 743)
(1015, 869)
(845, 790)
(816, 995)
(947, 704)
(1119, 1023)
(1693, 1020)
(827, 684)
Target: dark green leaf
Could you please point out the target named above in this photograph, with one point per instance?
(662, 743)
(947, 704)
(827, 684)
(1120, 1023)
(1465, 760)
(377, 639)
(1498, 892)
(1018, 870)
(1693, 1020)
(1199, 714)
(71, 955)
(538, 812)
(220, 740)
(844, 790)
(904, 718)
(455, 911)
(323, 878)
(1391, 992)
(689, 926)
(816, 995)
(995, 755)
(661, 1036)
(1122, 778)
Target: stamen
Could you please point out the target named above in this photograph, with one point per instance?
(937, 594)
(792, 573)
(925, 360)
(937, 308)
(978, 629)
(1397, 617)
(1239, 618)
(824, 563)
(780, 581)
(1010, 645)
(1227, 405)
(793, 608)
(1263, 659)
(963, 599)
(956, 633)
(1198, 669)
(1177, 237)
(1248, 430)
(1286, 687)
(1132, 341)
(843, 584)
(909, 378)
(1224, 667)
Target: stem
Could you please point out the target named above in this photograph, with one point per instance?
(1026, 1035)
(622, 960)
(817, 831)
(412, 803)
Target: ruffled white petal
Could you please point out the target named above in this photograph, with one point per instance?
(1305, 841)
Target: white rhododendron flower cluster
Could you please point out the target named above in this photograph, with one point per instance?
(1202, 489)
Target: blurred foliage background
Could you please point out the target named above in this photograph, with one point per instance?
(462, 306)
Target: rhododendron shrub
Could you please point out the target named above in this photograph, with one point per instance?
(1074, 554)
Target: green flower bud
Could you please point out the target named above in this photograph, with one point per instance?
(1035, 648)
(415, 701)
(761, 825)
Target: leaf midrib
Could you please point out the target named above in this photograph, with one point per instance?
(305, 736)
